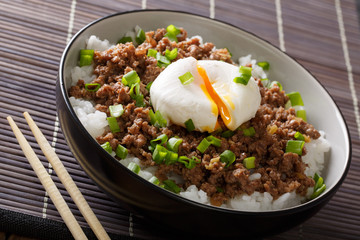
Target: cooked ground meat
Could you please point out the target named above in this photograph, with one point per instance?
(274, 125)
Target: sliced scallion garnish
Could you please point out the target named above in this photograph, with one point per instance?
(154, 180)
(249, 162)
(189, 163)
(160, 153)
(299, 136)
(295, 99)
(243, 79)
(140, 36)
(186, 78)
(171, 186)
(249, 132)
(189, 125)
(134, 167)
(125, 39)
(86, 57)
(227, 134)
(214, 141)
(204, 144)
(301, 114)
(171, 55)
(162, 60)
(113, 124)
(159, 140)
(157, 119)
(264, 65)
(130, 78)
(319, 186)
(148, 86)
(121, 151)
(92, 87)
(116, 110)
(245, 70)
(174, 143)
(152, 53)
(107, 147)
(227, 157)
(172, 29)
(294, 146)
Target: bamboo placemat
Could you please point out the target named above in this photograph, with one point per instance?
(323, 35)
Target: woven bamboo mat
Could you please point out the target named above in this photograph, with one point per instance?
(323, 35)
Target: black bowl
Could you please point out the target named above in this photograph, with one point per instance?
(145, 199)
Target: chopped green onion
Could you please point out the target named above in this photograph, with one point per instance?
(157, 119)
(318, 191)
(299, 136)
(121, 151)
(227, 157)
(159, 140)
(86, 57)
(276, 83)
(264, 65)
(130, 78)
(227, 134)
(295, 146)
(172, 29)
(295, 99)
(189, 163)
(85, 60)
(148, 86)
(204, 144)
(134, 167)
(113, 124)
(301, 114)
(162, 60)
(92, 87)
(172, 37)
(174, 143)
(245, 70)
(214, 141)
(152, 53)
(265, 82)
(171, 186)
(116, 110)
(319, 186)
(139, 98)
(87, 52)
(107, 147)
(171, 157)
(243, 79)
(160, 153)
(154, 180)
(189, 125)
(249, 162)
(249, 132)
(140, 36)
(171, 55)
(125, 39)
(319, 183)
(187, 78)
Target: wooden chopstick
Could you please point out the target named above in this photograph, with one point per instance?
(66, 180)
(48, 184)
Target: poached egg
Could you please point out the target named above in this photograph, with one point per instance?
(212, 93)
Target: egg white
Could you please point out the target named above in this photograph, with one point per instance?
(242, 101)
(177, 102)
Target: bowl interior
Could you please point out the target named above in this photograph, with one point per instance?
(321, 110)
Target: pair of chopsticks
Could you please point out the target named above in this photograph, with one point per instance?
(64, 177)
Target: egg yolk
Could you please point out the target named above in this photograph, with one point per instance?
(224, 112)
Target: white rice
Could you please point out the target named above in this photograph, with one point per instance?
(95, 123)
